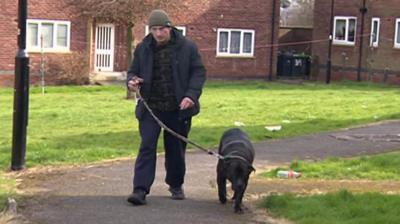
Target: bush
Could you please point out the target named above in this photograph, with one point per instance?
(68, 69)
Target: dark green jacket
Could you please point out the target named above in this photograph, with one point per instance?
(188, 71)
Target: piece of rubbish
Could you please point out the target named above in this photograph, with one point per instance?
(288, 174)
(239, 123)
(273, 128)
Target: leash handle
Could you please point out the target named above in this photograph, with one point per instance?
(162, 125)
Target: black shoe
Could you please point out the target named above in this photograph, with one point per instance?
(137, 198)
(177, 193)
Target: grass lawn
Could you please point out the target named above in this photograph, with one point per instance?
(81, 124)
(84, 124)
(377, 167)
(342, 207)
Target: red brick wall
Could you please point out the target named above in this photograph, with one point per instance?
(201, 19)
(204, 17)
(121, 49)
(37, 9)
(290, 35)
(378, 64)
(9, 30)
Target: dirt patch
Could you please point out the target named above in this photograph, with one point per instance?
(30, 181)
(260, 187)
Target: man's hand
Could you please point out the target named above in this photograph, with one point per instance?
(134, 83)
(186, 103)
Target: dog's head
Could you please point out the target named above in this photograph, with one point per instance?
(237, 172)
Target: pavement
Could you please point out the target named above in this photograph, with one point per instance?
(96, 194)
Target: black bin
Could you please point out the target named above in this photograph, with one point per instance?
(292, 65)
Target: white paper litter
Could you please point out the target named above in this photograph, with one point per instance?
(239, 123)
(273, 128)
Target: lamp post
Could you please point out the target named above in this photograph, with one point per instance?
(329, 61)
(21, 92)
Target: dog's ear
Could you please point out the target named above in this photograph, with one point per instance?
(251, 169)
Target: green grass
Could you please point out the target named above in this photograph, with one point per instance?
(376, 167)
(84, 124)
(342, 207)
(78, 124)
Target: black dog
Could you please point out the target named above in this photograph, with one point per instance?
(238, 152)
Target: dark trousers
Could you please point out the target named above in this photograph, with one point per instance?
(145, 166)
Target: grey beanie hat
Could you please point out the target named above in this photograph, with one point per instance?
(159, 17)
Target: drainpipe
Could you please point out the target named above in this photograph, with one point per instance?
(329, 61)
(363, 11)
(271, 57)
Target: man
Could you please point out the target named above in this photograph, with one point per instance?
(171, 75)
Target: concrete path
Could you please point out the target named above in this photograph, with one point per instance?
(97, 194)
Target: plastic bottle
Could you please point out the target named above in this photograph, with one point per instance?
(288, 174)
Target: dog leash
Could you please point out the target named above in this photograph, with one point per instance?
(183, 138)
(172, 132)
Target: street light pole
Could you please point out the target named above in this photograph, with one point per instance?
(329, 61)
(21, 92)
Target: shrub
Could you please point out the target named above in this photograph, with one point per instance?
(68, 69)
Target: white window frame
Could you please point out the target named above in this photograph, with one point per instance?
(397, 25)
(241, 53)
(55, 48)
(182, 28)
(345, 41)
(376, 43)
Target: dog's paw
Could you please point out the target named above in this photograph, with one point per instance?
(238, 210)
(222, 200)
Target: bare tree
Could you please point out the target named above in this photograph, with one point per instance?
(285, 3)
(298, 13)
(124, 12)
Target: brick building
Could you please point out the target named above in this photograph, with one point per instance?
(366, 40)
(232, 36)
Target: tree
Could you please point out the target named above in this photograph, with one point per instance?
(297, 13)
(285, 3)
(124, 12)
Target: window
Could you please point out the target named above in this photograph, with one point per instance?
(51, 36)
(235, 42)
(344, 30)
(375, 32)
(182, 29)
(397, 34)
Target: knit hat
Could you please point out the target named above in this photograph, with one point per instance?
(159, 17)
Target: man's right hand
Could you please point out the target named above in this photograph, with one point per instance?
(134, 83)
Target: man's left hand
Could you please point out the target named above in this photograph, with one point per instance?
(186, 103)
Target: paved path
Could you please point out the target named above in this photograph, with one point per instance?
(96, 194)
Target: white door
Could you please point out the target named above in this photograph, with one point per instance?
(104, 53)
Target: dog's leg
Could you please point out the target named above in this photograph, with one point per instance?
(221, 181)
(238, 199)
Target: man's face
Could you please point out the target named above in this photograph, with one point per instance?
(161, 34)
